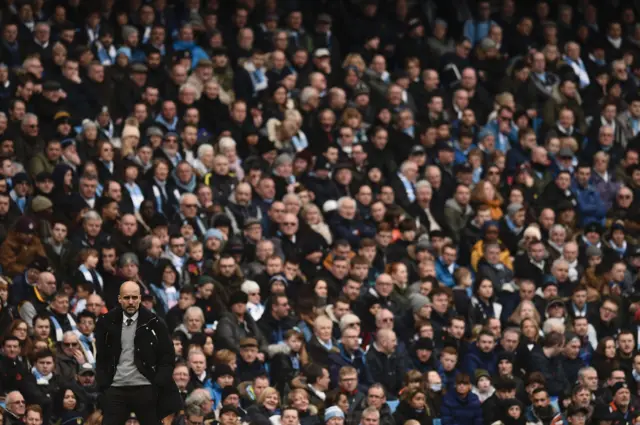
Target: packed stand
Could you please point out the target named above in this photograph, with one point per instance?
(375, 212)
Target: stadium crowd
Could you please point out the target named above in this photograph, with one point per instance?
(360, 212)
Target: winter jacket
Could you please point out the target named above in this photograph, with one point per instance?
(273, 329)
(477, 255)
(456, 217)
(591, 209)
(476, 359)
(358, 361)
(229, 332)
(351, 230)
(498, 273)
(15, 256)
(458, 411)
(405, 413)
(443, 274)
(387, 370)
(551, 368)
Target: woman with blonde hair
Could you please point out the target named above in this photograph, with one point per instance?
(267, 404)
(530, 331)
(525, 310)
(314, 218)
(355, 60)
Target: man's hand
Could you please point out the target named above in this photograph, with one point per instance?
(79, 356)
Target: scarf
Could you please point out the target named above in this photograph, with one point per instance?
(44, 379)
(299, 141)
(88, 346)
(408, 187)
(615, 42)
(512, 226)
(136, 194)
(189, 186)
(58, 327)
(619, 249)
(91, 276)
(580, 70)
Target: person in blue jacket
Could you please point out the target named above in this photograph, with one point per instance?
(590, 206)
(482, 355)
(461, 407)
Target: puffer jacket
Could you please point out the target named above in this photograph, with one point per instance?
(461, 411)
(16, 256)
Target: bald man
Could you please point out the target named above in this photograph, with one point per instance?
(134, 362)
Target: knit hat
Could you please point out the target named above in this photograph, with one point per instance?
(130, 131)
(41, 203)
(227, 391)
(25, 225)
(154, 131)
(127, 30)
(214, 233)
(418, 301)
(129, 258)
(424, 344)
(124, 51)
(204, 279)
(222, 370)
(238, 297)
(333, 412)
(617, 387)
(229, 408)
(480, 373)
(514, 208)
(506, 355)
(593, 251)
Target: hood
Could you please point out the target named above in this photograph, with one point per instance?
(562, 99)
(281, 348)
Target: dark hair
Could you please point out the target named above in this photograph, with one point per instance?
(313, 372)
(44, 354)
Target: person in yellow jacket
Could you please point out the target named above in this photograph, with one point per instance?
(491, 230)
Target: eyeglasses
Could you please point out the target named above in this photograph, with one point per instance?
(387, 320)
(70, 344)
(190, 205)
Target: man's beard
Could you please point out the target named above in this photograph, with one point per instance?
(544, 413)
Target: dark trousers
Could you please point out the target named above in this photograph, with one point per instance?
(120, 402)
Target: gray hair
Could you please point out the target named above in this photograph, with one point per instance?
(553, 324)
(584, 370)
(226, 143)
(198, 397)
(91, 215)
(249, 286)
(308, 93)
(27, 117)
(193, 310)
(343, 200)
(423, 183)
(193, 410)
(558, 262)
(204, 149)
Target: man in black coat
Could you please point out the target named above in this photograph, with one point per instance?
(386, 363)
(135, 361)
(548, 361)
